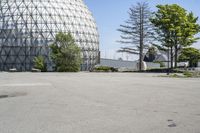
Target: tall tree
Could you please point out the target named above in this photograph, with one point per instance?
(66, 55)
(137, 33)
(176, 28)
(189, 31)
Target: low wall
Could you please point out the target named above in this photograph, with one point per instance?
(152, 65)
(179, 64)
(126, 64)
(117, 63)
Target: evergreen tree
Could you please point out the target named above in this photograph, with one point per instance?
(66, 55)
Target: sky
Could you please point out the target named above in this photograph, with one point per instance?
(109, 14)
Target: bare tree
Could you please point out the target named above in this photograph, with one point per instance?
(137, 33)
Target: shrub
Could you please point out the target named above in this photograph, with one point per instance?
(105, 69)
(39, 63)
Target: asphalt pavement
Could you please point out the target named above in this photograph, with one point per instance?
(98, 103)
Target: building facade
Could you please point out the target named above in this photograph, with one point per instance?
(28, 27)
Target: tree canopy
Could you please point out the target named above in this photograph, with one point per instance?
(192, 55)
(66, 55)
(176, 28)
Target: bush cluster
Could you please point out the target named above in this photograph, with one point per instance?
(104, 69)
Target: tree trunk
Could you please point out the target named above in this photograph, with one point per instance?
(175, 51)
(168, 52)
(176, 56)
(141, 59)
(141, 40)
(172, 59)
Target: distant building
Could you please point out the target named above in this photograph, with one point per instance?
(159, 56)
(162, 56)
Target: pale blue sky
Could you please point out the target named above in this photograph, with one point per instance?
(109, 14)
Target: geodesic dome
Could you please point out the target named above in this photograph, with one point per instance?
(28, 27)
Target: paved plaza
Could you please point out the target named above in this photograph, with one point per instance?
(98, 103)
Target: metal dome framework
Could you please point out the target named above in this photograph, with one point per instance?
(28, 27)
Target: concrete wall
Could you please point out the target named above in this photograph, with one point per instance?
(179, 64)
(117, 63)
(152, 65)
(125, 64)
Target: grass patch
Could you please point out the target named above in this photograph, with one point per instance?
(184, 74)
(188, 74)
